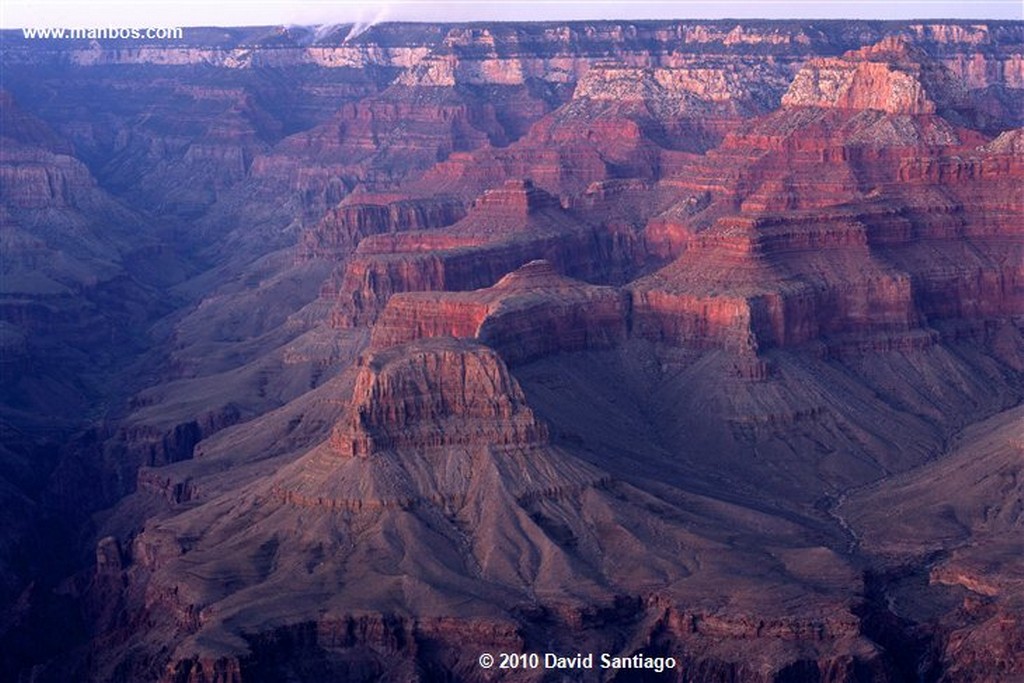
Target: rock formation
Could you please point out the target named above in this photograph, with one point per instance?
(980, 577)
(530, 313)
(506, 228)
(459, 398)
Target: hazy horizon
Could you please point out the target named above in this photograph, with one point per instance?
(193, 13)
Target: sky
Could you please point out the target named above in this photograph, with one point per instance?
(160, 13)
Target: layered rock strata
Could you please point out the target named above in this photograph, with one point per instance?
(530, 313)
(432, 400)
(507, 227)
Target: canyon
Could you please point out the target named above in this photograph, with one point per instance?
(353, 358)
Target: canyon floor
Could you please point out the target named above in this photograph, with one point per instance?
(335, 357)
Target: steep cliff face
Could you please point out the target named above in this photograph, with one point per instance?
(885, 77)
(39, 167)
(598, 337)
(507, 227)
(460, 399)
(836, 181)
(530, 313)
(341, 229)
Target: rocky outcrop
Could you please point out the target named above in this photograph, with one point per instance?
(151, 445)
(736, 280)
(232, 141)
(438, 396)
(336, 235)
(530, 313)
(34, 178)
(880, 77)
(370, 145)
(507, 228)
(865, 85)
(905, 74)
(730, 287)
